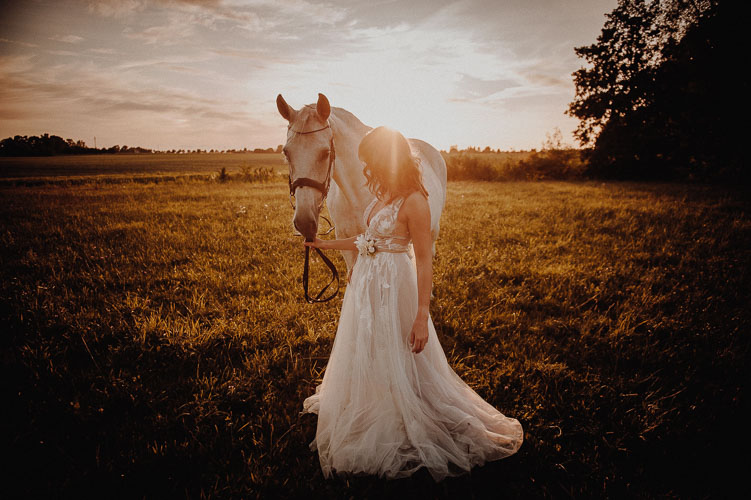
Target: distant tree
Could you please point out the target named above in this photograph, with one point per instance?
(279, 149)
(44, 145)
(655, 100)
(554, 140)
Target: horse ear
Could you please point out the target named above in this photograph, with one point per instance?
(284, 109)
(323, 108)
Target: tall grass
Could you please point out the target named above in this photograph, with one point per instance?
(137, 165)
(156, 341)
(548, 164)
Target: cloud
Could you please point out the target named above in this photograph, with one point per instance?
(102, 51)
(67, 38)
(160, 62)
(470, 88)
(116, 8)
(314, 12)
(15, 64)
(124, 8)
(69, 93)
(66, 53)
(261, 57)
(238, 10)
(16, 42)
(547, 81)
(172, 33)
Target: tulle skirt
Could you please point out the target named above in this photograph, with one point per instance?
(386, 411)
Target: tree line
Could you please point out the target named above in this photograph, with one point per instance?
(51, 145)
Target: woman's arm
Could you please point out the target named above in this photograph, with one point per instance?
(418, 222)
(345, 244)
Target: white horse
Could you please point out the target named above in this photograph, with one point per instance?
(315, 132)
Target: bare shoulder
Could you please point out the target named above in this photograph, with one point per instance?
(416, 205)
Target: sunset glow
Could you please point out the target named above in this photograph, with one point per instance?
(167, 74)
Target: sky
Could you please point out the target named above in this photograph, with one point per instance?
(187, 74)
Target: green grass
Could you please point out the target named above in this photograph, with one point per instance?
(157, 344)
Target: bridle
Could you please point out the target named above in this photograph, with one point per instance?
(323, 187)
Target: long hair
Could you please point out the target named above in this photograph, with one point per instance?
(390, 166)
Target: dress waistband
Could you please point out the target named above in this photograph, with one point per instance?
(392, 250)
(389, 245)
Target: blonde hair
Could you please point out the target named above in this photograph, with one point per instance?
(390, 166)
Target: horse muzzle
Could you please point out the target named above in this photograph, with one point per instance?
(308, 228)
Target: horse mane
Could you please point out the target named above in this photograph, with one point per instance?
(349, 120)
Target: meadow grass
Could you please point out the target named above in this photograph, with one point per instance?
(157, 344)
(548, 164)
(127, 165)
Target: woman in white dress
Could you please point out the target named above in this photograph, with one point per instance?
(389, 402)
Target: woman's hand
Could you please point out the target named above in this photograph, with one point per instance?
(318, 243)
(345, 244)
(418, 337)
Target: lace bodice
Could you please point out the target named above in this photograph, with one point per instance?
(382, 226)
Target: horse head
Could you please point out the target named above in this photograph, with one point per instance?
(309, 152)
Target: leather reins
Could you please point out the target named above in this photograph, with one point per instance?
(323, 187)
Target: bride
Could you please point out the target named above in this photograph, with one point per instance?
(389, 402)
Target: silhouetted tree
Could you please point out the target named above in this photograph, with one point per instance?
(44, 145)
(656, 98)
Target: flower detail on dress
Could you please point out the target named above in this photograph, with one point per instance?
(365, 245)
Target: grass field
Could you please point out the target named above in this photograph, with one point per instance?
(156, 343)
(157, 167)
(124, 165)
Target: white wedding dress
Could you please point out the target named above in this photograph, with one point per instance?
(383, 409)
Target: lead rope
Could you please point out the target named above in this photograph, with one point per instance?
(332, 267)
(334, 277)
